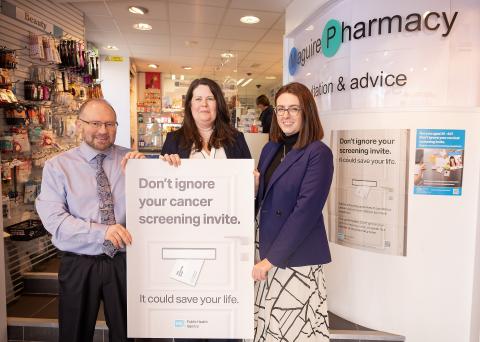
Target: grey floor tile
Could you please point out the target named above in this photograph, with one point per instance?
(15, 333)
(98, 336)
(41, 334)
(339, 323)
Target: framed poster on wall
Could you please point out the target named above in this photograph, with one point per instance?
(368, 205)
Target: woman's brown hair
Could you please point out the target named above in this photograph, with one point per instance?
(311, 129)
(223, 133)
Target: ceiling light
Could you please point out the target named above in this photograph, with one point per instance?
(187, 67)
(142, 27)
(247, 82)
(153, 66)
(227, 55)
(270, 77)
(240, 81)
(309, 28)
(137, 10)
(111, 47)
(249, 19)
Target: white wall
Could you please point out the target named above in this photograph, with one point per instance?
(298, 11)
(115, 78)
(432, 294)
(429, 295)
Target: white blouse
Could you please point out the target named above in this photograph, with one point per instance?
(214, 154)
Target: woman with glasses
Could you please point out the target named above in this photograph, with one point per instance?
(293, 180)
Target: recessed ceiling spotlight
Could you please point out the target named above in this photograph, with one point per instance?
(111, 47)
(142, 27)
(227, 55)
(138, 10)
(187, 67)
(153, 66)
(249, 19)
(270, 77)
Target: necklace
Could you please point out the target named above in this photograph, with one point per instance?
(213, 150)
(283, 157)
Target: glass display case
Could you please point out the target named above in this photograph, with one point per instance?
(153, 128)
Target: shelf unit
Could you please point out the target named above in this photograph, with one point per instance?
(153, 129)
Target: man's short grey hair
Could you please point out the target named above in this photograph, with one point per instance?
(86, 103)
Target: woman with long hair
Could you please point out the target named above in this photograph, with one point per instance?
(206, 131)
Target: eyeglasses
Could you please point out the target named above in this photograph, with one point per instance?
(199, 99)
(99, 124)
(292, 110)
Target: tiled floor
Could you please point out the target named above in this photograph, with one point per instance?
(43, 309)
(338, 323)
(33, 317)
(39, 306)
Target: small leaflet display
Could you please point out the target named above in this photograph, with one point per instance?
(439, 158)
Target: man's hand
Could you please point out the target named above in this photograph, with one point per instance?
(131, 155)
(118, 235)
(261, 269)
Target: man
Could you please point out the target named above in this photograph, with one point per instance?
(82, 204)
(263, 104)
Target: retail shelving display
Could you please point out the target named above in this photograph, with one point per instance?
(153, 128)
(248, 120)
(42, 87)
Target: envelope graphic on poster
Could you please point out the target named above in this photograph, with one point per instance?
(189, 262)
(187, 271)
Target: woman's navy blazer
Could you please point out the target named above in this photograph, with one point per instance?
(292, 231)
(237, 150)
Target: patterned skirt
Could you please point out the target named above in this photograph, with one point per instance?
(291, 305)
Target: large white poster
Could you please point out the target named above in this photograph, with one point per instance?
(189, 266)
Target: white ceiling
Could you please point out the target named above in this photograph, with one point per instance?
(193, 33)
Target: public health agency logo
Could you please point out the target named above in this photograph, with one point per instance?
(328, 45)
(179, 323)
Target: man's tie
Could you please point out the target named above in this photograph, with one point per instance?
(104, 193)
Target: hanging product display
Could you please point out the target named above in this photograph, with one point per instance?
(8, 58)
(35, 45)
